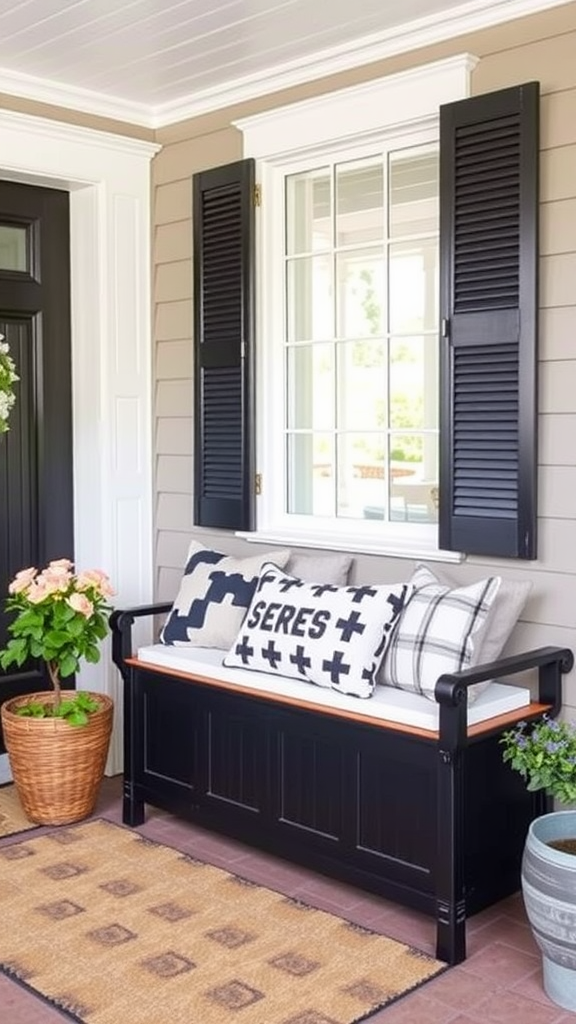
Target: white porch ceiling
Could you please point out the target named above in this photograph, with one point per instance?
(154, 62)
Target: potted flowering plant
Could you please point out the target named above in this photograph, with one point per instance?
(8, 376)
(545, 757)
(60, 618)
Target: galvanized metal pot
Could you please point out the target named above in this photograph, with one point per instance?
(549, 891)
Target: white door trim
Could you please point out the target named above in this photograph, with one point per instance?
(108, 177)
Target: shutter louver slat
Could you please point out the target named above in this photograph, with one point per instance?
(486, 214)
(478, 425)
(223, 289)
(489, 215)
(222, 449)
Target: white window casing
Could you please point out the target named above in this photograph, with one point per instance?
(351, 123)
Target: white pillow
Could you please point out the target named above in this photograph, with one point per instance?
(328, 635)
(214, 594)
(437, 633)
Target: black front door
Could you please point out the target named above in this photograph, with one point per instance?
(36, 489)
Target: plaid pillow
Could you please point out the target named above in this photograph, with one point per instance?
(437, 632)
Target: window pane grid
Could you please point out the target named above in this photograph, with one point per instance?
(361, 338)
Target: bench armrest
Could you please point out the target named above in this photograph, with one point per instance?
(121, 622)
(551, 662)
(451, 691)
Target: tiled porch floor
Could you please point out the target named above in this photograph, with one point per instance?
(500, 982)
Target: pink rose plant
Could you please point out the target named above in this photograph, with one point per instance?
(61, 617)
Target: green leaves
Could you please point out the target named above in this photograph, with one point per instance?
(545, 756)
(75, 710)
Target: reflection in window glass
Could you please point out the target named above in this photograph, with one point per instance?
(362, 475)
(361, 277)
(362, 388)
(359, 203)
(308, 212)
(309, 299)
(413, 399)
(413, 193)
(13, 254)
(414, 477)
(311, 474)
(413, 287)
(310, 380)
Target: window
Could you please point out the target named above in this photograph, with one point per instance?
(348, 297)
(379, 407)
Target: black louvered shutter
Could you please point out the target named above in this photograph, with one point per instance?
(489, 311)
(223, 212)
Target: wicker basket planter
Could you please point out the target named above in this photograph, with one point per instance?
(57, 767)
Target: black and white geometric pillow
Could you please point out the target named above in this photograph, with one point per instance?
(321, 633)
(214, 593)
(438, 632)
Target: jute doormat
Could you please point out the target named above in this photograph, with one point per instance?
(12, 817)
(111, 927)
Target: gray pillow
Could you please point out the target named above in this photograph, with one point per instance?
(330, 568)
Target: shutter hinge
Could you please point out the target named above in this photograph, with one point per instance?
(445, 328)
(258, 484)
(257, 195)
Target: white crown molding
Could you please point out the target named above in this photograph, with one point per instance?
(44, 90)
(61, 132)
(446, 24)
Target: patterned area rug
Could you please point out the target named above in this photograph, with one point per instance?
(12, 817)
(109, 927)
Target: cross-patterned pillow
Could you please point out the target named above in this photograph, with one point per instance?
(214, 593)
(328, 635)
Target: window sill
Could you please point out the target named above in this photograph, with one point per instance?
(391, 546)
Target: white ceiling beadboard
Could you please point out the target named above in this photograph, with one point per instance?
(155, 62)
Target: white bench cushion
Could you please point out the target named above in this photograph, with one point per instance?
(386, 703)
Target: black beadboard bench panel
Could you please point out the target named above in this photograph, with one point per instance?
(432, 819)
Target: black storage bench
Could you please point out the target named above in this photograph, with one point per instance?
(432, 819)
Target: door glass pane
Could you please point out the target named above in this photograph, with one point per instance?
(12, 248)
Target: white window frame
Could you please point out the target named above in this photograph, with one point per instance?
(353, 122)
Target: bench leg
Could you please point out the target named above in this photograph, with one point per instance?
(451, 931)
(133, 812)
